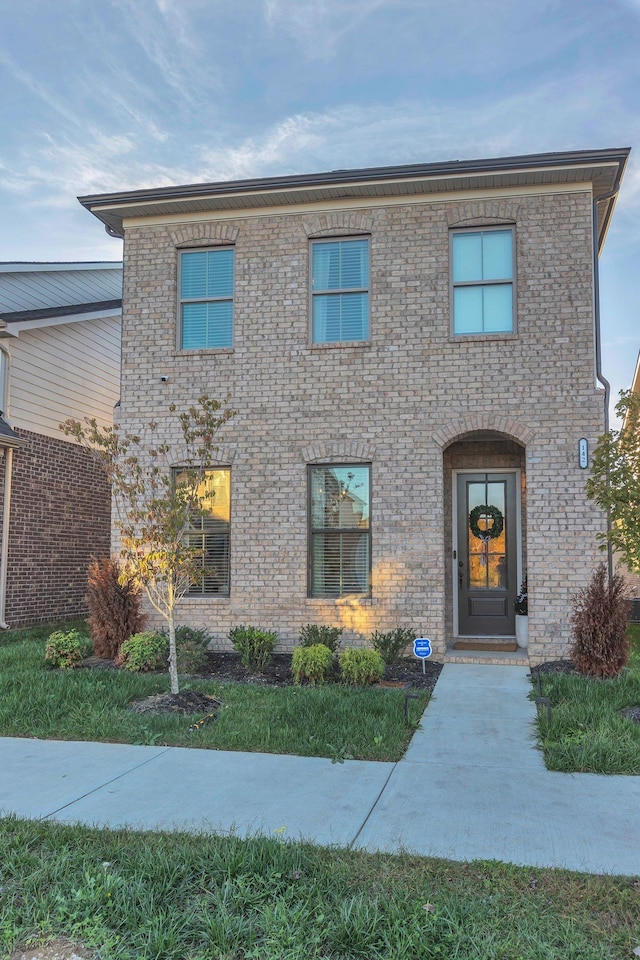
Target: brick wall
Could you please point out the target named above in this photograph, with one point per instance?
(60, 508)
(399, 402)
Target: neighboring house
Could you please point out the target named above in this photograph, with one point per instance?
(412, 354)
(59, 358)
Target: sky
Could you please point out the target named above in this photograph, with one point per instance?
(102, 95)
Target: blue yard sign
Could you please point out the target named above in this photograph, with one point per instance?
(422, 650)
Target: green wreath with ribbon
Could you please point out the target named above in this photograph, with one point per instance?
(486, 510)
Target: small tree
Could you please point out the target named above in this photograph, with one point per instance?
(156, 494)
(614, 483)
(599, 626)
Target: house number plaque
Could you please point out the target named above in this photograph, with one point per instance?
(583, 453)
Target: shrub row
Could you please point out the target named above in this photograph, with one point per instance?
(314, 664)
(148, 650)
(143, 651)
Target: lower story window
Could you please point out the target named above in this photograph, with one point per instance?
(339, 530)
(209, 534)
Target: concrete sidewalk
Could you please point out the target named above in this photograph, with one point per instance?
(472, 785)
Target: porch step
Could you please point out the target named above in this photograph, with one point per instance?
(503, 656)
(488, 646)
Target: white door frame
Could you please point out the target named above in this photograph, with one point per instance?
(454, 529)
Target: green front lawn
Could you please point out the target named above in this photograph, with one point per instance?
(588, 732)
(199, 897)
(331, 721)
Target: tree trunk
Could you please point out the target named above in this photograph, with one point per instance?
(173, 658)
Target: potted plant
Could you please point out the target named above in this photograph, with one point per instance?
(521, 607)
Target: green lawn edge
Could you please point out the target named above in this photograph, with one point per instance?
(197, 897)
(333, 720)
(588, 731)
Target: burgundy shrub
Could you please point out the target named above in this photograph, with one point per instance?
(599, 626)
(114, 603)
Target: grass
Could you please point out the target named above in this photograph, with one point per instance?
(588, 732)
(331, 721)
(200, 897)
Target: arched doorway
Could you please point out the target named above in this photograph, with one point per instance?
(485, 536)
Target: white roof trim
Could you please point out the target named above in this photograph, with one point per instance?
(22, 267)
(13, 329)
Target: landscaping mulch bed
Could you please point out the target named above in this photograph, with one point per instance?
(185, 702)
(555, 666)
(632, 713)
(225, 667)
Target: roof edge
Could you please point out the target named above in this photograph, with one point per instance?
(69, 310)
(28, 266)
(617, 155)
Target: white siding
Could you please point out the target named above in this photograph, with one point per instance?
(71, 370)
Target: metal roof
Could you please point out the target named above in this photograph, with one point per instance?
(45, 286)
(602, 168)
(101, 306)
(8, 437)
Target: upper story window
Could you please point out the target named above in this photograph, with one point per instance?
(482, 273)
(206, 298)
(340, 290)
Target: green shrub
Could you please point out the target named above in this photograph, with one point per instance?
(191, 648)
(144, 651)
(196, 635)
(66, 650)
(255, 646)
(312, 634)
(360, 665)
(599, 626)
(391, 646)
(312, 663)
(191, 656)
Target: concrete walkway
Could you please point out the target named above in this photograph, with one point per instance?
(472, 785)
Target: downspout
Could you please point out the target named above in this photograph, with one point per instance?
(6, 507)
(4, 549)
(599, 374)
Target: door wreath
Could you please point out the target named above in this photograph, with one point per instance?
(490, 533)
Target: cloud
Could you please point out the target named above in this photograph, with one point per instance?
(171, 44)
(423, 131)
(42, 91)
(318, 25)
(142, 155)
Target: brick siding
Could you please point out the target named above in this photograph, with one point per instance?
(60, 517)
(401, 401)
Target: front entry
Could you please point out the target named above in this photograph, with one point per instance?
(485, 558)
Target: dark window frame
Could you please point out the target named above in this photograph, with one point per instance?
(512, 281)
(193, 533)
(182, 301)
(337, 532)
(313, 293)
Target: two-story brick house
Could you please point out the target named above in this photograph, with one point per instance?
(413, 355)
